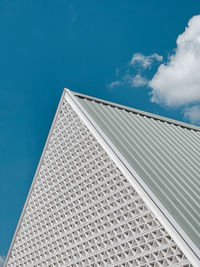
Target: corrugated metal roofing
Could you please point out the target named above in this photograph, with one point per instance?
(163, 152)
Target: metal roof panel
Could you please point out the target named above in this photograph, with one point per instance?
(165, 154)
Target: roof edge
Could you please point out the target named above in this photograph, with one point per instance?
(33, 181)
(137, 111)
(179, 236)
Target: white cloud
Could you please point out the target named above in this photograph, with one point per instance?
(114, 84)
(117, 72)
(177, 83)
(1, 261)
(193, 114)
(135, 81)
(131, 81)
(138, 81)
(139, 59)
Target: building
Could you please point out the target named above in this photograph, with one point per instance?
(114, 187)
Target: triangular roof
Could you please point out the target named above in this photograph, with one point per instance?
(163, 155)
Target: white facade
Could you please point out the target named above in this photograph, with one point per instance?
(82, 209)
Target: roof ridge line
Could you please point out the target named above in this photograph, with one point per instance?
(140, 112)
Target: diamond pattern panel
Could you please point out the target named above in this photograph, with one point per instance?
(83, 212)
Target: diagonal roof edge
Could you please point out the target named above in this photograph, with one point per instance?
(137, 111)
(180, 237)
(33, 181)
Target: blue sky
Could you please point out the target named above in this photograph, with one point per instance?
(107, 49)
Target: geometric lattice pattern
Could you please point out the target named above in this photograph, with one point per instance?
(83, 212)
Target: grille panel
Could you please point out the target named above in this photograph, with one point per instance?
(83, 212)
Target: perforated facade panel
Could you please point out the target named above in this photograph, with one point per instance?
(82, 211)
